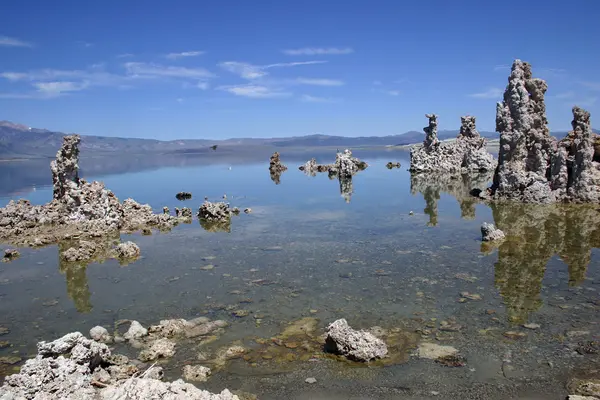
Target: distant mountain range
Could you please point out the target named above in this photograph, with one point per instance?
(20, 141)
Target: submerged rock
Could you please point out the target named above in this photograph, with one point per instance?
(10, 254)
(196, 373)
(136, 331)
(160, 348)
(127, 250)
(490, 233)
(355, 345)
(467, 153)
(391, 165)
(534, 167)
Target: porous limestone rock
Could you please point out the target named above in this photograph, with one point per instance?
(78, 208)
(214, 212)
(127, 250)
(345, 166)
(196, 373)
(276, 168)
(140, 388)
(354, 345)
(160, 348)
(135, 331)
(466, 154)
(490, 233)
(10, 254)
(100, 334)
(90, 372)
(534, 167)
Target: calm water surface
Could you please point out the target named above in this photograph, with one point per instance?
(385, 249)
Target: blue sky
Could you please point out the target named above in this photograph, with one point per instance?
(219, 69)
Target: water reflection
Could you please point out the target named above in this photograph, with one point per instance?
(75, 271)
(459, 186)
(534, 235)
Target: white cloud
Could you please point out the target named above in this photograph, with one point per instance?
(150, 70)
(393, 92)
(203, 85)
(311, 51)
(255, 91)
(183, 54)
(293, 64)
(57, 88)
(315, 99)
(252, 72)
(319, 82)
(491, 93)
(13, 42)
(244, 70)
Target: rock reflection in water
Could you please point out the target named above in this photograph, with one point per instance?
(346, 188)
(75, 271)
(215, 226)
(459, 186)
(534, 235)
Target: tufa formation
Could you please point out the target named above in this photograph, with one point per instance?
(466, 154)
(534, 167)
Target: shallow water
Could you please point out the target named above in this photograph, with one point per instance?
(397, 252)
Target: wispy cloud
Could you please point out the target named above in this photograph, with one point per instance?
(491, 93)
(377, 83)
(251, 72)
(502, 67)
(58, 88)
(125, 55)
(13, 42)
(150, 70)
(184, 54)
(393, 92)
(255, 91)
(312, 51)
(319, 82)
(47, 83)
(244, 70)
(179, 100)
(315, 99)
(84, 44)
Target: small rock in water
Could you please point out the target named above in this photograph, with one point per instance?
(531, 326)
(310, 380)
(515, 335)
(4, 344)
(10, 254)
(355, 345)
(470, 296)
(196, 373)
(433, 351)
(136, 331)
(490, 233)
(207, 267)
(248, 210)
(100, 334)
(4, 330)
(411, 213)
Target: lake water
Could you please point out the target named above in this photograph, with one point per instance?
(386, 249)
